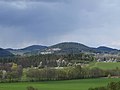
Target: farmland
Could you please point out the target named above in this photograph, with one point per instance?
(104, 65)
(82, 84)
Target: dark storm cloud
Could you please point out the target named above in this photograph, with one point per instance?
(44, 19)
(26, 22)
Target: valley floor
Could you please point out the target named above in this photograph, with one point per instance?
(82, 84)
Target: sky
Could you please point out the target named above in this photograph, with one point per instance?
(47, 22)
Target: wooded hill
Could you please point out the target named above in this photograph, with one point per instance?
(60, 48)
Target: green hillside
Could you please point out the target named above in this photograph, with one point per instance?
(104, 65)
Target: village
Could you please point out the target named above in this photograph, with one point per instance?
(107, 58)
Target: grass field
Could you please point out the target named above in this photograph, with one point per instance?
(104, 65)
(82, 84)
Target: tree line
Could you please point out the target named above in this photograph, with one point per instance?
(13, 72)
(49, 59)
(68, 73)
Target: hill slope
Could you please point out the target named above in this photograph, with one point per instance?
(71, 47)
(5, 53)
(104, 49)
(62, 48)
(34, 49)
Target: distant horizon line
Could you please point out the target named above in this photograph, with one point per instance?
(59, 43)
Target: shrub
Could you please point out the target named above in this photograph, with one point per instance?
(31, 88)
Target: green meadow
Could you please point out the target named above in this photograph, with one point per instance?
(105, 65)
(81, 84)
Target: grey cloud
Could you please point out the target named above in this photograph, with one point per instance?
(51, 21)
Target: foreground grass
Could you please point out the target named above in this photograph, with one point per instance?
(82, 84)
(104, 65)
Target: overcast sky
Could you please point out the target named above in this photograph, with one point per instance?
(47, 22)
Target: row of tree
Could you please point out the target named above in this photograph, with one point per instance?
(72, 72)
(15, 73)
